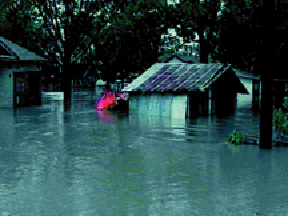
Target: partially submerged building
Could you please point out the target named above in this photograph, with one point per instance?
(203, 88)
(20, 75)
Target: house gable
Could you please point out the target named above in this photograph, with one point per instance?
(19, 75)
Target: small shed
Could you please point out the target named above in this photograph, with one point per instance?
(204, 88)
(20, 75)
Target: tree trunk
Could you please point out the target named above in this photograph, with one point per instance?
(203, 48)
(266, 113)
(265, 64)
(67, 79)
(67, 88)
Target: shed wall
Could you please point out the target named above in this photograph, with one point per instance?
(6, 82)
(159, 104)
(6, 88)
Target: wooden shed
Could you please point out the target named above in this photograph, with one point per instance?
(204, 88)
(20, 74)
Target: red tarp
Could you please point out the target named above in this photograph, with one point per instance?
(109, 99)
(106, 101)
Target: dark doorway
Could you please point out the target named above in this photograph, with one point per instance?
(34, 91)
(226, 101)
(26, 90)
(20, 89)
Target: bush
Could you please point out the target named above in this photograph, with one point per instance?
(280, 122)
(280, 118)
(237, 137)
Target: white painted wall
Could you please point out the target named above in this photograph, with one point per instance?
(6, 83)
(156, 105)
(166, 110)
(6, 88)
(245, 101)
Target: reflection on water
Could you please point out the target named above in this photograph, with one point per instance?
(85, 163)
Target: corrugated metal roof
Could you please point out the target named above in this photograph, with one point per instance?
(20, 52)
(176, 77)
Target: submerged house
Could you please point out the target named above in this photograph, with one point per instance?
(20, 75)
(198, 89)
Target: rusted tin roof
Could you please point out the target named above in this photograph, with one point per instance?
(163, 77)
(12, 51)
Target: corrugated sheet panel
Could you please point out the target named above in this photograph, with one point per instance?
(176, 77)
(139, 80)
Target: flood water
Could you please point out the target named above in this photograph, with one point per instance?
(86, 163)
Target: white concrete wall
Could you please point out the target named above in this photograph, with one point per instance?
(6, 88)
(6, 83)
(52, 95)
(245, 101)
(166, 110)
(156, 105)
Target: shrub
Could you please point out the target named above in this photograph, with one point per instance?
(280, 122)
(237, 137)
(280, 118)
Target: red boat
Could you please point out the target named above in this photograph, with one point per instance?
(111, 100)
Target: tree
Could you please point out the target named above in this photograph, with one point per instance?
(234, 27)
(263, 52)
(17, 20)
(241, 21)
(195, 16)
(115, 24)
(62, 46)
(135, 47)
(266, 63)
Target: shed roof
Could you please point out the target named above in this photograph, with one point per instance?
(184, 77)
(12, 51)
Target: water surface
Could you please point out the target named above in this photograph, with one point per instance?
(85, 162)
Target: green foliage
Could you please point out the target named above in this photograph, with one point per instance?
(280, 118)
(132, 44)
(244, 21)
(237, 137)
(16, 19)
(279, 121)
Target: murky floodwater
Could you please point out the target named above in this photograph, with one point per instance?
(94, 163)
